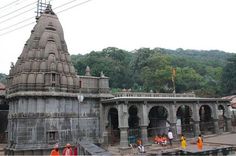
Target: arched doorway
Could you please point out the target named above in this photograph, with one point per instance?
(206, 120)
(184, 123)
(113, 126)
(158, 124)
(133, 121)
(222, 121)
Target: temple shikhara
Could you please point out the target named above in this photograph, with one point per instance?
(49, 103)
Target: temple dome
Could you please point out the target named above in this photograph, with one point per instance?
(44, 62)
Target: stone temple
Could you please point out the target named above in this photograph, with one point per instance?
(43, 91)
(49, 103)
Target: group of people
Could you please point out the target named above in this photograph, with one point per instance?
(67, 151)
(199, 142)
(162, 139)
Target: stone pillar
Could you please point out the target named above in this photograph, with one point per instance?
(216, 126)
(196, 128)
(144, 123)
(123, 137)
(172, 119)
(215, 118)
(196, 119)
(228, 125)
(123, 124)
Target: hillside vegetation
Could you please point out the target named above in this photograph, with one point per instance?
(206, 73)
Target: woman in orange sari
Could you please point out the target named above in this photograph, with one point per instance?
(199, 142)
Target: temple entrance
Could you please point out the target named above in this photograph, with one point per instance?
(113, 126)
(158, 124)
(184, 123)
(206, 120)
(222, 121)
(134, 131)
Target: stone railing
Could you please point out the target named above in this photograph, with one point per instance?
(141, 94)
(86, 148)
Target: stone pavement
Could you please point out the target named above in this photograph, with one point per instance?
(211, 142)
(226, 139)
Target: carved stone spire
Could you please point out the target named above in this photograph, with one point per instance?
(87, 71)
(44, 62)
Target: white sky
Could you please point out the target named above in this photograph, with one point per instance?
(129, 25)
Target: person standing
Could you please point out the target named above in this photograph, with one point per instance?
(67, 150)
(183, 142)
(55, 151)
(170, 137)
(75, 151)
(199, 142)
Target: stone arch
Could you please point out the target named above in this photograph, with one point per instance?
(133, 120)
(134, 131)
(112, 124)
(113, 118)
(161, 105)
(158, 120)
(184, 123)
(206, 119)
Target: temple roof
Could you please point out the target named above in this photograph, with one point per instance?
(44, 62)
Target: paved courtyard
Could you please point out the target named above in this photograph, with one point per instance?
(226, 139)
(213, 142)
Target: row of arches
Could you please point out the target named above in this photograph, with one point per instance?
(159, 123)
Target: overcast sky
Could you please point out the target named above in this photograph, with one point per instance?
(126, 24)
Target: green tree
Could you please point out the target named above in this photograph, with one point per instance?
(229, 76)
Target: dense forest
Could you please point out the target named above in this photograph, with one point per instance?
(206, 73)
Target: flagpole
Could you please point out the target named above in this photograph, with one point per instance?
(173, 79)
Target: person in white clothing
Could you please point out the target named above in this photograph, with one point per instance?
(170, 137)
